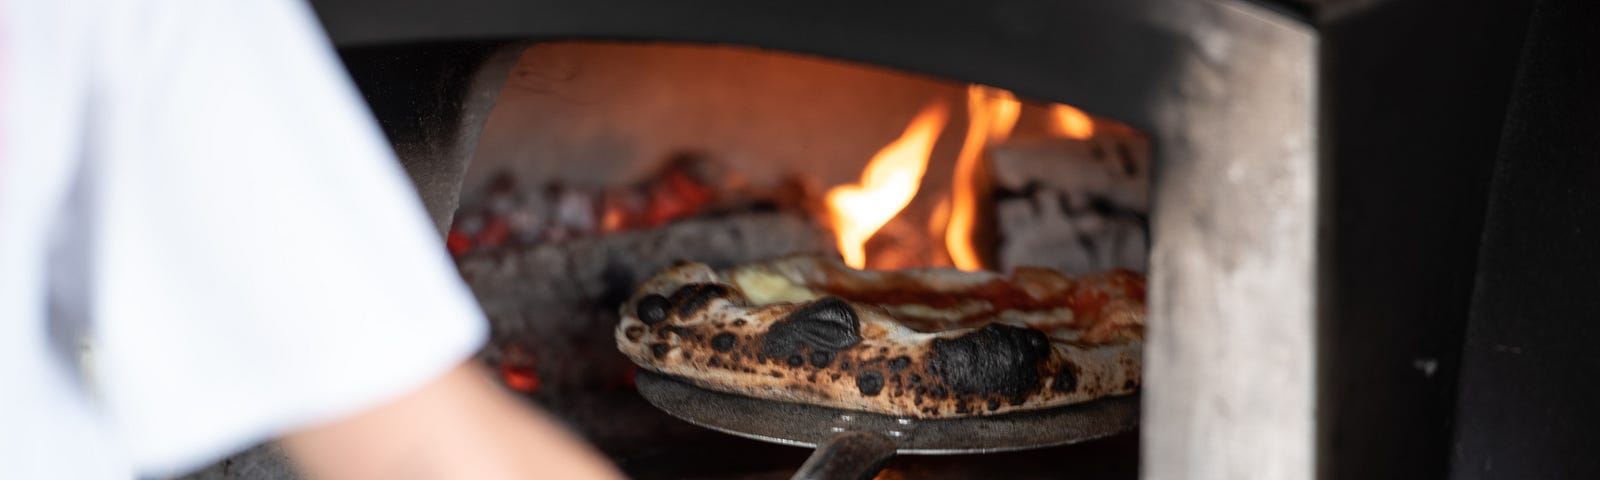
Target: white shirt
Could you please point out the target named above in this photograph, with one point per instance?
(193, 190)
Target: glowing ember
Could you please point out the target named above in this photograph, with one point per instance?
(991, 115)
(889, 474)
(520, 371)
(521, 379)
(887, 185)
(457, 243)
(1070, 122)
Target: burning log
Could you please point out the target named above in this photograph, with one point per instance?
(1076, 205)
(685, 186)
(1040, 227)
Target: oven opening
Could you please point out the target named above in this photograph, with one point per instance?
(602, 163)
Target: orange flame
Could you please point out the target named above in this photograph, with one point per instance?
(1070, 122)
(887, 185)
(991, 114)
(889, 474)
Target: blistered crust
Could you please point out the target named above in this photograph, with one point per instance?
(846, 354)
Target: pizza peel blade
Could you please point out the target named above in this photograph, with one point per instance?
(849, 443)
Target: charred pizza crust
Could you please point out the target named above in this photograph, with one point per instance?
(810, 330)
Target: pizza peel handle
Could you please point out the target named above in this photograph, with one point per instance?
(848, 454)
(856, 444)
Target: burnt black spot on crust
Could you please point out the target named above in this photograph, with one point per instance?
(995, 359)
(1066, 379)
(659, 350)
(693, 297)
(994, 404)
(870, 383)
(899, 363)
(795, 360)
(826, 325)
(652, 309)
(724, 342)
(916, 378)
(634, 333)
(938, 392)
(821, 359)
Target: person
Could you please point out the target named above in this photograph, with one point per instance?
(205, 243)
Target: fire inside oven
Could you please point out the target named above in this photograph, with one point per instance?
(602, 163)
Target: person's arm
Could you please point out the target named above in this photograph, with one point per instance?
(462, 425)
(261, 268)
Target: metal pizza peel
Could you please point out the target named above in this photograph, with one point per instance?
(852, 444)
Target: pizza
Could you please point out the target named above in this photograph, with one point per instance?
(925, 343)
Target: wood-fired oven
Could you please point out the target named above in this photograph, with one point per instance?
(1304, 181)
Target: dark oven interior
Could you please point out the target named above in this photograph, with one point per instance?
(602, 163)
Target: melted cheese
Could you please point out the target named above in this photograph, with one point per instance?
(945, 315)
(764, 288)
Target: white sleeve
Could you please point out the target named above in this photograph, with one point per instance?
(258, 262)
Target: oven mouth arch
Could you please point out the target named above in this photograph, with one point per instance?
(1113, 59)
